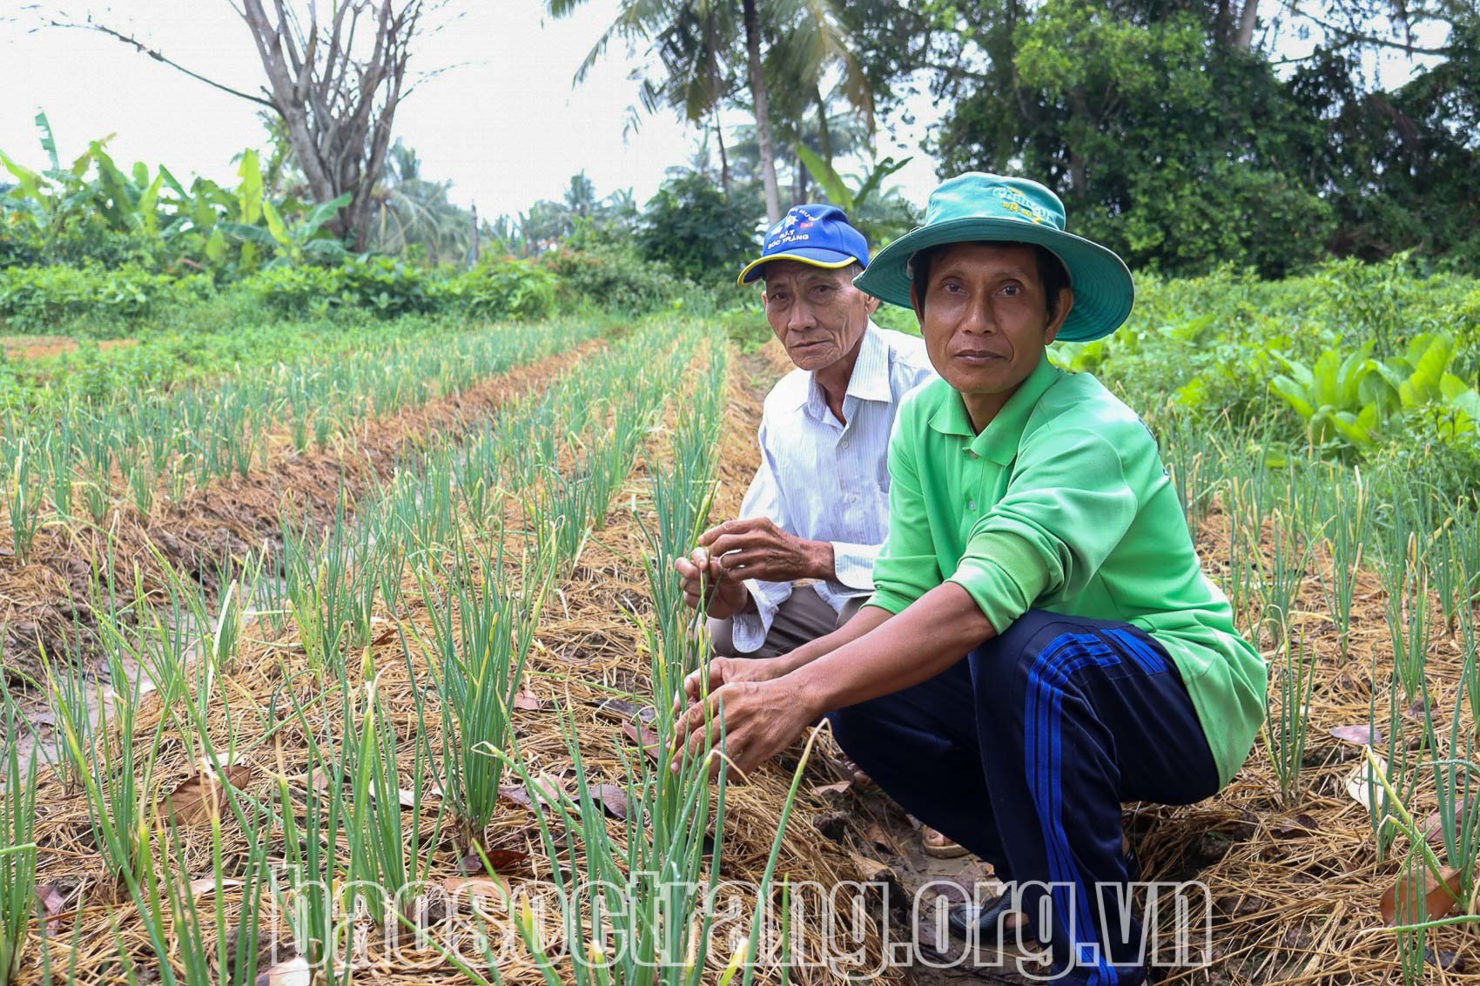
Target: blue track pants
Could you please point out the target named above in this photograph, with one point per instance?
(1024, 751)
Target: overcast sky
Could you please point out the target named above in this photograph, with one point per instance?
(504, 123)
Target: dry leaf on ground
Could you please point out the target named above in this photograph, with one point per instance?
(871, 870)
(499, 861)
(209, 885)
(1440, 895)
(530, 702)
(52, 903)
(1361, 734)
(548, 790)
(611, 798)
(1363, 786)
(476, 886)
(1434, 825)
(643, 737)
(202, 796)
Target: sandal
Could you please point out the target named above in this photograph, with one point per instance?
(862, 782)
(938, 845)
(994, 928)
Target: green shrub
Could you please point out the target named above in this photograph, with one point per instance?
(499, 288)
(746, 327)
(35, 299)
(1463, 320)
(377, 285)
(612, 278)
(496, 289)
(697, 231)
(898, 319)
(84, 240)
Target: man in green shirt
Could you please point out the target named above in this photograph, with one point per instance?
(1042, 644)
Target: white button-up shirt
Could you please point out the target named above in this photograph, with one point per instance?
(824, 480)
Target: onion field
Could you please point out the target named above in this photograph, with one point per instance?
(359, 668)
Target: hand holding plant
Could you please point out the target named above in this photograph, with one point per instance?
(704, 580)
(755, 548)
(751, 721)
(721, 671)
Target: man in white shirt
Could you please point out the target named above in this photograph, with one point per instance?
(798, 561)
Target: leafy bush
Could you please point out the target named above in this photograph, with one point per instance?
(84, 242)
(1349, 403)
(690, 226)
(38, 298)
(376, 285)
(498, 288)
(1370, 362)
(613, 279)
(897, 318)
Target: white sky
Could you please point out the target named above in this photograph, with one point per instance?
(505, 124)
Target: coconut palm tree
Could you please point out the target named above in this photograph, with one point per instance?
(408, 210)
(697, 47)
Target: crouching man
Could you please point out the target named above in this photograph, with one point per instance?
(1042, 643)
(798, 561)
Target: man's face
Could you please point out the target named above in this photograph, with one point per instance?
(818, 314)
(985, 321)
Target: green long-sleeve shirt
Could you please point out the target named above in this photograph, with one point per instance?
(1062, 503)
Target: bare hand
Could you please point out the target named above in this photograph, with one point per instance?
(757, 720)
(721, 671)
(755, 548)
(703, 576)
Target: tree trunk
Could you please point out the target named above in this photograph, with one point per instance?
(716, 96)
(476, 244)
(724, 156)
(1248, 17)
(762, 109)
(1078, 178)
(337, 110)
(824, 132)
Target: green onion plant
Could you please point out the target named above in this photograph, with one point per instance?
(17, 842)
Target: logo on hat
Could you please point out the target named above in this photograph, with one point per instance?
(816, 235)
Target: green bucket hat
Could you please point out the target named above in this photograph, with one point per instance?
(977, 208)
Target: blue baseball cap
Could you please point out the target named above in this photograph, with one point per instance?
(817, 235)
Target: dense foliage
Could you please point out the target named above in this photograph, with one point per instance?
(1358, 362)
(691, 226)
(611, 278)
(1184, 147)
(497, 288)
(34, 299)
